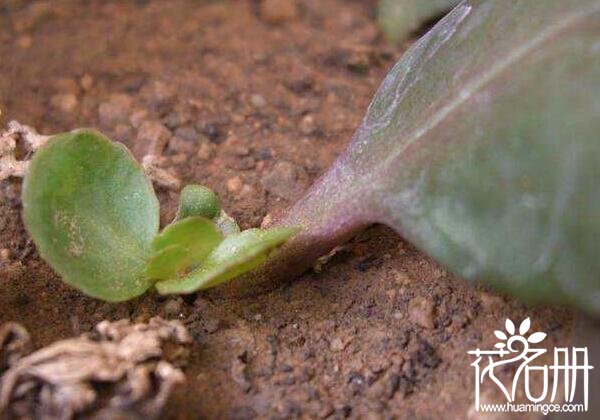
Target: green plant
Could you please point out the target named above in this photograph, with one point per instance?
(481, 148)
(94, 217)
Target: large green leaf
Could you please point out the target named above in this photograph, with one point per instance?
(481, 147)
(92, 214)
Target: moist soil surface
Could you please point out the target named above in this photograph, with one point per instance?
(254, 100)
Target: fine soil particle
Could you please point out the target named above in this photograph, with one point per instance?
(254, 99)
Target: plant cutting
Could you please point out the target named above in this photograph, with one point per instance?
(94, 217)
(479, 147)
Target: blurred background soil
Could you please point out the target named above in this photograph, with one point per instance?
(254, 99)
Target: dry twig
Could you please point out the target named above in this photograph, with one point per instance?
(18, 134)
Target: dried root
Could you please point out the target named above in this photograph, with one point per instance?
(18, 143)
(158, 175)
(119, 370)
(18, 135)
(14, 344)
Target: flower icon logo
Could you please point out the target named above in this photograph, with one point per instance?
(510, 334)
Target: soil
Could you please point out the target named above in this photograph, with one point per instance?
(254, 100)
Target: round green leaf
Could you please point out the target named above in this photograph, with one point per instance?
(237, 254)
(92, 214)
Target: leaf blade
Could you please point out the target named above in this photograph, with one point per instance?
(181, 245)
(92, 214)
(237, 254)
(479, 149)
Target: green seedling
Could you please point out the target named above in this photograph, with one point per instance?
(480, 147)
(94, 217)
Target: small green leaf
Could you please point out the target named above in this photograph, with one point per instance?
(166, 263)
(197, 200)
(181, 245)
(398, 19)
(237, 254)
(92, 214)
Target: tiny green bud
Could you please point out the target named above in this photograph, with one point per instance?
(197, 200)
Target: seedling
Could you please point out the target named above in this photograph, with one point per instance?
(94, 217)
(480, 147)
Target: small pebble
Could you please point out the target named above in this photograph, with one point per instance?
(234, 185)
(187, 133)
(180, 145)
(490, 302)
(138, 117)
(267, 221)
(420, 311)
(86, 82)
(205, 151)
(258, 101)
(285, 180)
(65, 102)
(308, 125)
(212, 325)
(337, 344)
(391, 294)
(238, 118)
(4, 254)
(278, 11)
(158, 93)
(402, 278)
(66, 85)
(179, 158)
(115, 110)
(24, 41)
(173, 307)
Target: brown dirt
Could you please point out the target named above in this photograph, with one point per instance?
(256, 110)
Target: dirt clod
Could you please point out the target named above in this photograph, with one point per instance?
(234, 185)
(64, 102)
(278, 11)
(421, 312)
(285, 180)
(115, 111)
